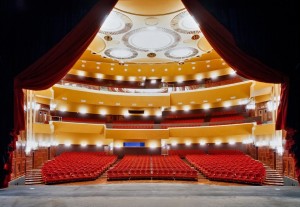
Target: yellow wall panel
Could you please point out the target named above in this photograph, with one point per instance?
(137, 133)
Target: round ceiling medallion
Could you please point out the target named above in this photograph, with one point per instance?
(181, 53)
(120, 53)
(151, 39)
(116, 23)
(185, 23)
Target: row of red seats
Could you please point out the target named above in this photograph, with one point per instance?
(76, 166)
(230, 168)
(121, 124)
(151, 167)
(223, 82)
(227, 118)
(82, 120)
(133, 126)
(183, 153)
(225, 152)
(181, 123)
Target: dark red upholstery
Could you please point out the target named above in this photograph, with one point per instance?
(151, 167)
(76, 166)
(230, 168)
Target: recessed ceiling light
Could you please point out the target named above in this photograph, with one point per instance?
(206, 106)
(204, 101)
(100, 102)
(186, 108)
(179, 69)
(119, 78)
(83, 101)
(179, 103)
(232, 97)
(112, 64)
(125, 69)
(152, 70)
(83, 65)
(208, 66)
(99, 76)
(207, 61)
(166, 69)
(81, 73)
(223, 63)
(193, 67)
(153, 81)
(232, 72)
(97, 67)
(139, 70)
(64, 98)
(134, 104)
(218, 99)
(192, 102)
(227, 104)
(111, 68)
(150, 104)
(193, 63)
(199, 77)
(118, 104)
(214, 75)
(98, 63)
(132, 78)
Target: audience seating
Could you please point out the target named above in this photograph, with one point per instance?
(238, 168)
(76, 166)
(82, 120)
(133, 124)
(181, 123)
(183, 153)
(225, 152)
(151, 167)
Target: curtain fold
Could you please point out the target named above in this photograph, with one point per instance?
(221, 25)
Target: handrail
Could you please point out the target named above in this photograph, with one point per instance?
(165, 87)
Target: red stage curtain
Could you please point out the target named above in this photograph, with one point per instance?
(56, 63)
(51, 67)
(249, 67)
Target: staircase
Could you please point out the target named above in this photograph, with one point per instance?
(273, 177)
(33, 177)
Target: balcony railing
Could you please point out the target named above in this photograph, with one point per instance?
(166, 125)
(164, 88)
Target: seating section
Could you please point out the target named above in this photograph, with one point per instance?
(227, 118)
(183, 153)
(225, 152)
(133, 124)
(76, 166)
(181, 123)
(151, 167)
(229, 168)
(83, 120)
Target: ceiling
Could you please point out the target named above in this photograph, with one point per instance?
(169, 37)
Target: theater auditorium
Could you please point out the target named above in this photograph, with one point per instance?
(150, 103)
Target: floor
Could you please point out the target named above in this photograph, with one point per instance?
(129, 194)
